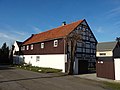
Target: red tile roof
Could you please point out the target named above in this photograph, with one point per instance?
(61, 31)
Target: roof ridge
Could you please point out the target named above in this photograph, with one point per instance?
(57, 32)
(59, 27)
(107, 42)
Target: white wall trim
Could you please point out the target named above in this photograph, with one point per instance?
(117, 68)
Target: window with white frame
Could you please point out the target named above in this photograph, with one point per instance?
(32, 47)
(42, 45)
(37, 58)
(27, 47)
(23, 48)
(55, 43)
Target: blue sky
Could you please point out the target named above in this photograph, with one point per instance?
(21, 18)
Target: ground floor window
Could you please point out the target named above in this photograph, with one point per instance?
(37, 58)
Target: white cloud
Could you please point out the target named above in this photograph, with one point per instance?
(18, 32)
(99, 30)
(6, 36)
(36, 29)
(113, 12)
(117, 23)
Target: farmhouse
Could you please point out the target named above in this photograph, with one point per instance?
(108, 60)
(51, 48)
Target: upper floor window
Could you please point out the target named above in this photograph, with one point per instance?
(42, 45)
(102, 53)
(55, 43)
(22, 48)
(27, 47)
(32, 47)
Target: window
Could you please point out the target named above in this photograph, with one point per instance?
(100, 62)
(32, 47)
(37, 58)
(23, 59)
(79, 44)
(102, 53)
(79, 49)
(83, 49)
(55, 43)
(87, 45)
(87, 50)
(22, 48)
(42, 45)
(27, 47)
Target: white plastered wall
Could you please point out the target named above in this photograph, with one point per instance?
(56, 61)
(117, 68)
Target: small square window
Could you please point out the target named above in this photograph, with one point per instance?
(32, 47)
(42, 45)
(102, 54)
(27, 47)
(55, 43)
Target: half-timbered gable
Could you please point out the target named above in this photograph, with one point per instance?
(86, 46)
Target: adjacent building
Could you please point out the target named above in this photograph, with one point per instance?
(108, 60)
(16, 53)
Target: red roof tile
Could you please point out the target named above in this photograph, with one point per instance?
(61, 31)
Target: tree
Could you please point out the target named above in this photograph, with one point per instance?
(11, 54)
(4, 53)
(72, 40)
(118, 39)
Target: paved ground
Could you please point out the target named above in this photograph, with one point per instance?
(16, 79)
(93, 76)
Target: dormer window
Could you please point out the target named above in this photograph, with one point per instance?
(42, 45)
(55, 43)
(27, 47)
(32, 47)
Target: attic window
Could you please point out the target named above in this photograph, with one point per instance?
(55, 43)
(42, 45)
(102, 53)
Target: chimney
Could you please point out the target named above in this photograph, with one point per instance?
(32, 35)
(63, 23)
